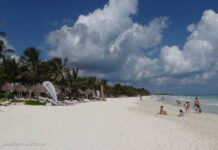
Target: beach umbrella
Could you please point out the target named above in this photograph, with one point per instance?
(57, 89)
(67, 90)
(39, 89)
(7, 87)
(20, 88)
(88, 92)
(80, 91)
(30, 90)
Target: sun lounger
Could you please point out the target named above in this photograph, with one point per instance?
(75, 102)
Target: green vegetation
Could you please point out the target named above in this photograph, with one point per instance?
(9, 96)
(119, 90)
(32, 102)
(2, 95)
(2, 100)
(16, 101)
(29, 70)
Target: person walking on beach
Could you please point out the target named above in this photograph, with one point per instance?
(197, 105)
(140, 97)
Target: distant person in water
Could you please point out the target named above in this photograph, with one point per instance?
(178, 102)
(197, 105)
(187, 106)
(181, 114)
(162, 112)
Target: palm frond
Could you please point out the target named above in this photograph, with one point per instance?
(2, 45)
(9, 51)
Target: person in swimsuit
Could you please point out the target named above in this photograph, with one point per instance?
(197, 105)
(181, 114)
(162, 112)
(187, 105)
(177, 102)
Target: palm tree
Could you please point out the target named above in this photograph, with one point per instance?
(1, 75)
(59, 69)
(46, 71)
(3, 50)
(73, 80)
(31, 58)
(11, 69)
(3, 34)
(75, 73)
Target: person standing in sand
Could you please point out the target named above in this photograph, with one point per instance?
(140, 97)
(197, 105)
(187, 106)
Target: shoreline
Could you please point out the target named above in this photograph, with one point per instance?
(205, 108)
(203, 123)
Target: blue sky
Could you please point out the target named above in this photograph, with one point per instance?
(30, 23)
(27, 22)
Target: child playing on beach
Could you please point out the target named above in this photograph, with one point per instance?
(181, 114)
(162, 112)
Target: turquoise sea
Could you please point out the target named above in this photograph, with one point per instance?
(208, 103)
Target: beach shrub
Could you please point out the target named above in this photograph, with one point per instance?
(32, 102)
(2, 95)
(2, 100)
(16, 101)
(10, 96)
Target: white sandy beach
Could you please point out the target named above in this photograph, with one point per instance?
(117, 124)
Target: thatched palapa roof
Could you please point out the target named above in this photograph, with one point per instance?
(20, 88)
(67, 90)
(80, 91)
(30, 89)
(7, 87)
(39, 88)
(88, 92)
(57, 89)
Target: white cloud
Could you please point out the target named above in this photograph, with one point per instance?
(109, 44)
(107, 38)
(200, 50)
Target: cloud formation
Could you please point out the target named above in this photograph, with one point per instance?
(109, 44)
(199, 53)
(107, 39)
